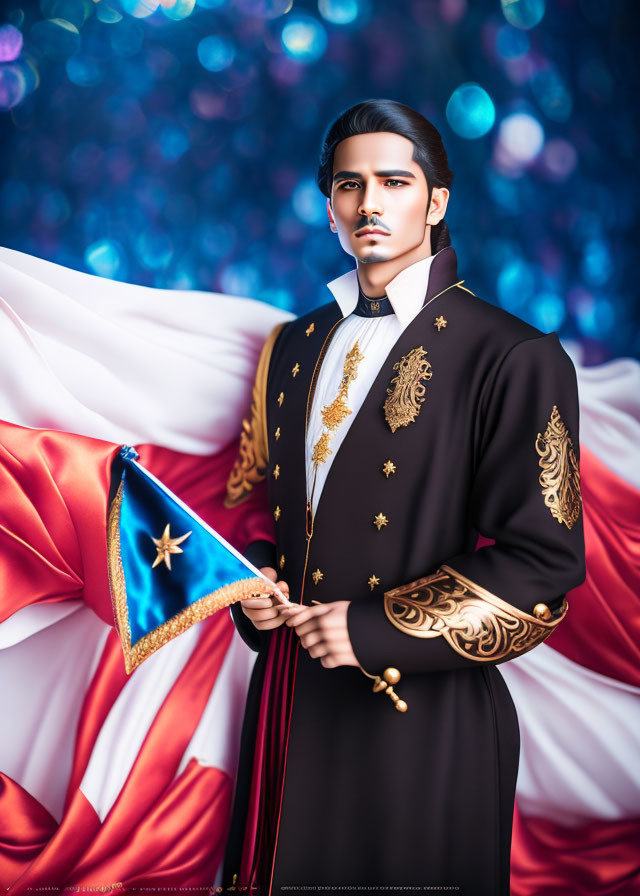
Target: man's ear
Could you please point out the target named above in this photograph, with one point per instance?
(332, 223)
(438, 207)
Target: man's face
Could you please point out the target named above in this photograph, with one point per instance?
(377, 186)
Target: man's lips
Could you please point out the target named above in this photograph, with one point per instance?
(371, 230)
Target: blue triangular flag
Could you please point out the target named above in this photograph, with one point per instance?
(168, 569)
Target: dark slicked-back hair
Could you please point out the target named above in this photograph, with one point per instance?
(387, 115)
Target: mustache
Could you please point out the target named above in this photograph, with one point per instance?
(371, 221)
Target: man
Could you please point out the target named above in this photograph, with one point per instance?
(394, 425)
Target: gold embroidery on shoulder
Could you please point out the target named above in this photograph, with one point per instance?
(560, 477)
(405, 393)
(250, 466)
(475, 622)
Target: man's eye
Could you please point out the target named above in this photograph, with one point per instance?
(347, 182)
(392, 180)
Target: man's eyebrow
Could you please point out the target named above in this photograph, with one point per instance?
(352, 175)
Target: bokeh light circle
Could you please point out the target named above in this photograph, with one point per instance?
(10, 43)
(511, 43)
(177, 9)
(523, 13)
(304, 38)
(470, 111)
(105, 258)
(515, 286)
(83, 71)
(56, 38)
(309, 203)
(13, 86)
(339, 12)
(521, 136)
(548, 311)
(107, 14)
(215, 53)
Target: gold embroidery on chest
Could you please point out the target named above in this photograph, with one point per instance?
(333, 414)
(406, 391)
(560, 477)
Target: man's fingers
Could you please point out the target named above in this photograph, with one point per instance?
(301, 616)
(275, 622)
(257, 603)
(322, 647)
(261, 615)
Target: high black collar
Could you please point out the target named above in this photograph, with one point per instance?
(442, 273)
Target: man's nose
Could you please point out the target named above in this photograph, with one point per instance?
(371, 202)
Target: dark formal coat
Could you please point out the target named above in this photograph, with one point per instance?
(470, 427)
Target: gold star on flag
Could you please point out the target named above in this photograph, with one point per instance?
(166, 545)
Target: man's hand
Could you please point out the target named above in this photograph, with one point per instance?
(323, 632)
(263, 611)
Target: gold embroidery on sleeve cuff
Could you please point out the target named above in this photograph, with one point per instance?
(476, 623)
(560, 477)
(250, 466)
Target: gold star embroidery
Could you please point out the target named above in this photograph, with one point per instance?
(277, 433)
(310, 329)
(317, 575)
(281, 398)
(389, 467)
(166, 545)
(380, 521)
(276, 471)
(277, 512)
(281, 560)
(373, 581)
(439, 322)
(295, 369)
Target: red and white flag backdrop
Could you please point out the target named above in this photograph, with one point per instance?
(127, 781)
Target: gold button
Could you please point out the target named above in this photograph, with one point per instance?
(373, 581)
(295, 369)
(542, 611)
(281, 561)
(310, 329)
(277, 433)
(317, 575)
(281, 398)
(380, 520)
(276, 471)
(440, 322)
(392, 675)
(277, 512)
(388, 467)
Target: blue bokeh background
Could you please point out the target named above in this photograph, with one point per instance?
(175, 143)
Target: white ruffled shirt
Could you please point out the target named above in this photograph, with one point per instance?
(375, 336)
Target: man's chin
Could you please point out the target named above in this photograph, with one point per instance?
(374, 257)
